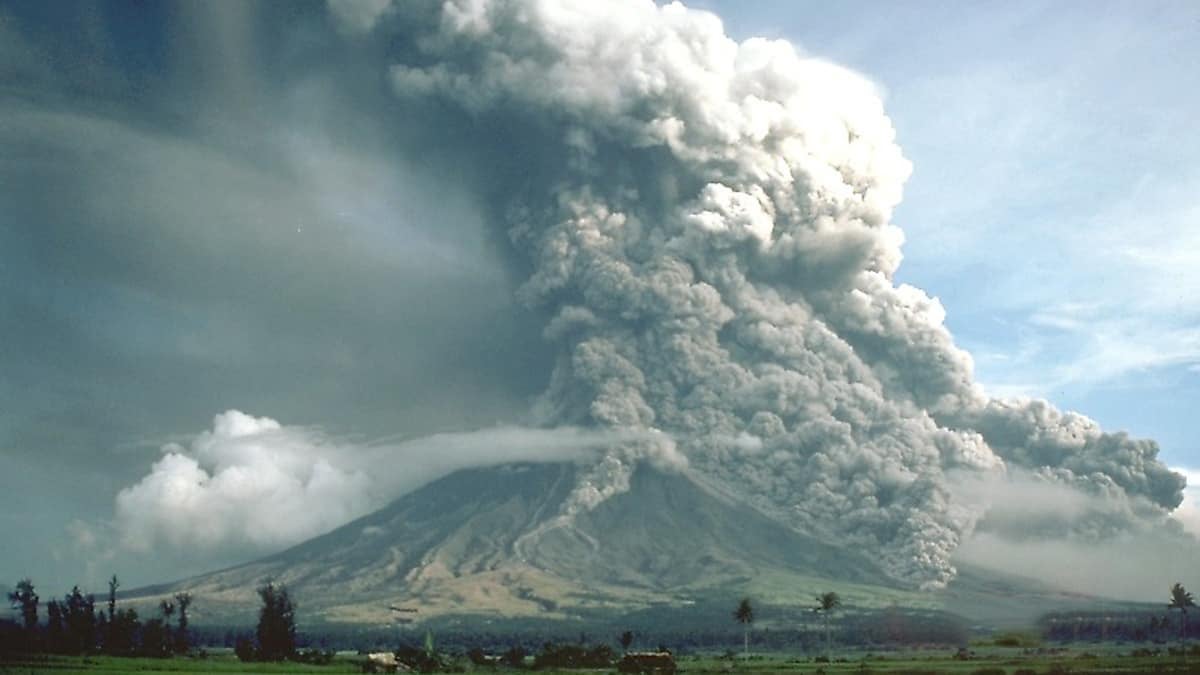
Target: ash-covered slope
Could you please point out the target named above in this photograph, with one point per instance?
(492, 542)
(488, 541)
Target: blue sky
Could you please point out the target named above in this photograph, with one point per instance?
(1054, 206)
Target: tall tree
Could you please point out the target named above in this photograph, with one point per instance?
(113, 585)
(626, 640)
(79, 614)
(1181, 600)
(744, 614)
(182, 642)
(25, 599)
(826, 604)
(122, 628)
(168, 610)
(110, 626)
(155, 639)
(276, 623)
(55, 630)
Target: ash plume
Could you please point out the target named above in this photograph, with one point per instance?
(707, 225)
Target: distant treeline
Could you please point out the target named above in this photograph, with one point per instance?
(1128, 626)
(76, 624)
(883, 629)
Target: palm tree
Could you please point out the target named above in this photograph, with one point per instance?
(183, 600)
(1181, 600)
(113, 585)
(826, 603)
(744, 614)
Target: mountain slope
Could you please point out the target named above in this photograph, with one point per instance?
(491, 542)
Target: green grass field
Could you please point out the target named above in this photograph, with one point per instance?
(1080, 660)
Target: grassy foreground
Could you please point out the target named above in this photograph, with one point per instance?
(993, 662)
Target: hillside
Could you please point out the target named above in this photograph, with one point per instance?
(485, 542)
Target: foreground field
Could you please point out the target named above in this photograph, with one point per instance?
(995, 662)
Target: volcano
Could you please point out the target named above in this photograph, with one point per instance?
(491, 542)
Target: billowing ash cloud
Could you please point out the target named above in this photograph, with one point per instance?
(1188, 513)
(707, 223)
(251, 485)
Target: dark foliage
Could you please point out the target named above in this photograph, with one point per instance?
(1119, 626)
(79, 616)
(156, 638)
(477, 656)
(13, 638)
(514, 657)
(244, 648)
(573, 656)
(25, 599)
(182, 641)
(123, 631)
(56, 629)
(424, 660)
(276, 631)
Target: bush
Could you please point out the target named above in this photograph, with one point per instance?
(574, 656)
(244, 648)
(1016, 639)
(514, 658)
(478, 657)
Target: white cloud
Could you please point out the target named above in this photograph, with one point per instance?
(247, 483)
(1135, 567)
(1078, 540)
(251, 485)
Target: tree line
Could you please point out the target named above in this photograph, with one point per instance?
(1137, 626)
(74, 625)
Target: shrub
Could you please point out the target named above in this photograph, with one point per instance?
(574, 656)
(244, 648)
(514, 657)
(477, 656)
